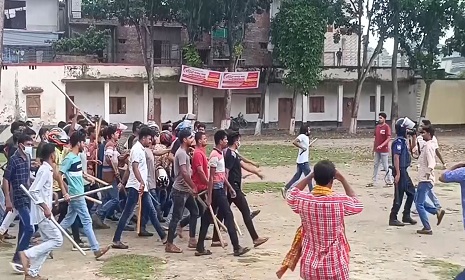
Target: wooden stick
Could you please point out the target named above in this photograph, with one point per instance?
(72, 103)
(237, 227)
(87, 193)
(215, 223)
(98, 180)
(96, 143)
(139, 214)
(93, 200)
(55, 223)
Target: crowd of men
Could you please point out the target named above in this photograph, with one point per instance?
(165, 171)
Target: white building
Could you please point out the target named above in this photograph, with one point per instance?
(120, 94)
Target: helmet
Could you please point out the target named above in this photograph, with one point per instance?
(402, 125)
(166, 138)
(154, 127)
(163, 180)
(58, 136)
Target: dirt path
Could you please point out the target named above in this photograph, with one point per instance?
(378, 251)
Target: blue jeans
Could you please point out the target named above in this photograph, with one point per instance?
(78, 208)
(131, 202)
(150, 213)
(112, 204)
(422, 206)
(302, 168)
(26, 230)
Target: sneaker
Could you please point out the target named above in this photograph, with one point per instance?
(98, 254)
(396, 223)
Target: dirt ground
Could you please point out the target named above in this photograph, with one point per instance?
(378, 251)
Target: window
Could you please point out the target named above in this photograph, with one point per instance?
(33, 106)
(117, 105)
(252, 105)
(373, 104)
(183, 105)
(317, 104)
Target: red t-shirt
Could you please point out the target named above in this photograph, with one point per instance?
(199, 158)
(382, 132)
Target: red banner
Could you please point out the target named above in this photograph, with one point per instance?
(240, 80)
(219, 80)
(200, 77)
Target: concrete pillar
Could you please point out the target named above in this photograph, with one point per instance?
(266, 113)
(106, 101)
(146, 102)
(190, 99)
(304, 108)
(377, 101)
(340, 101)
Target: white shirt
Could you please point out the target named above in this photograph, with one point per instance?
(427, 162)
(422, 142)
(302, 156)
(137, 155)
(42, 191)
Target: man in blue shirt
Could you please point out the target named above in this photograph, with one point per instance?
(71, 168)
(402, 183)
(456, 174)
(17, 173)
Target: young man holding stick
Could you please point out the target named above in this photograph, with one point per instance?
(33, 258)
(71, 168)
(217, 198)
(183, 193)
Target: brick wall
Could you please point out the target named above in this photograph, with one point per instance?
(127, 46)
(256, 41)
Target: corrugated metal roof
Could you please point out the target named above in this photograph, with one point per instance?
(17, 37)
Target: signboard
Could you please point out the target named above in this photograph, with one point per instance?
(200, 77)
(219, 80)
(76, 8)
(240, 80)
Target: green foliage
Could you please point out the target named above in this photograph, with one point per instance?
(191, 56)
(429, 21)
(97, 9)
(298, 34)
(457, 42)
(93, 41)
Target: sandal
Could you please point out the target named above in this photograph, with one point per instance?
(171, 248)
(203, 253)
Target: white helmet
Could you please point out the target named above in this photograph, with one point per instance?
(163, 180)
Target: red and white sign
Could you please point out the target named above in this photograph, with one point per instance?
(240, 80)
(200, 77)
(219, 80)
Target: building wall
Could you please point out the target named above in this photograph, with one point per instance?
(256, 41)
(42, 15)
(446, 102)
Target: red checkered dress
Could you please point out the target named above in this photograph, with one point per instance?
(325, 250)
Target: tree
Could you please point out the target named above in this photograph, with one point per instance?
(142, 15)
(235, 16)
(198, 17)
(421, 40)
(298, 34)
(92, 41)
(377, 14)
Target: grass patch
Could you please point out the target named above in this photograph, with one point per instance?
(444, 270)
(262, 187)
(132, 267)
(281, 155)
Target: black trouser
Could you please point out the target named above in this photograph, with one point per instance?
(241, 203)
(186, 220)
(182, 200)
(62, 211)
(405, 186)
(220, 202)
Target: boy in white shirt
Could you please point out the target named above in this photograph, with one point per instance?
(427, 163)
(42, 190)
(303, 167)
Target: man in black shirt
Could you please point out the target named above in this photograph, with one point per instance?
(234, 165)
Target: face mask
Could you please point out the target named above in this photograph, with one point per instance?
(28, 150)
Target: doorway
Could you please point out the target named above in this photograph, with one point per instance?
(218, 111)
(69, 107)
(347, 105)
(284, 112)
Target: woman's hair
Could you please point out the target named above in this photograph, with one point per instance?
(324, 172)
